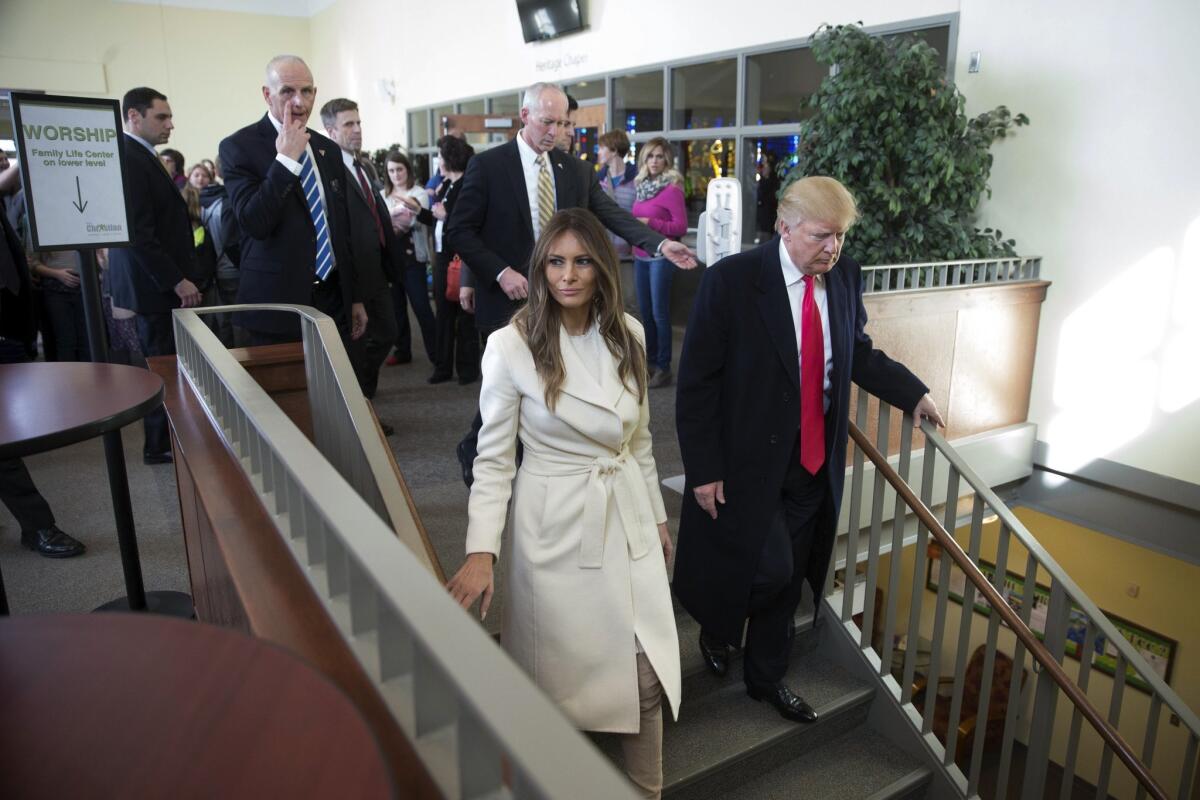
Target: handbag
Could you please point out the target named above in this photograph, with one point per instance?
(454, 278)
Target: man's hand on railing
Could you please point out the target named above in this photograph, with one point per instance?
(473, 579)
(927, 409)
(708, 495)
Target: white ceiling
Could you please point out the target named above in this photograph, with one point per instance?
(279, 8)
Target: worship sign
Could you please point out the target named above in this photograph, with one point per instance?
(71, 155)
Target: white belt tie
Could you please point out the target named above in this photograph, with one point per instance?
(621, 477)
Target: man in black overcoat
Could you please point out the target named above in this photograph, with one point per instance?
(773, 342)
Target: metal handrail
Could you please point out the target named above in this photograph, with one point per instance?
(1181, 709)
(478, 722)
(888, 278)
(999, 606)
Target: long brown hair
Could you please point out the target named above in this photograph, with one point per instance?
(540, 319)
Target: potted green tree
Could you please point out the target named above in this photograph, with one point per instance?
(889, 125)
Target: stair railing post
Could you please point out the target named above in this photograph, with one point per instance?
(899, 516)
(964, 634)
(877, 495)
(850, 570)
(918, 589)
(1018, 690)
(1046, 698)
(989, 664)
(1085, 674)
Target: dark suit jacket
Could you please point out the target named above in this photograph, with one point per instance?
(491, 227)
(737, 412)
(162, 250)
(279, 242)
(375, 266)
(17, 320)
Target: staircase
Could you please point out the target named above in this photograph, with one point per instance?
(727, 746)
(877, 738)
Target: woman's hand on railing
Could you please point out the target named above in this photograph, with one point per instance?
(927, 409)
(473, 579)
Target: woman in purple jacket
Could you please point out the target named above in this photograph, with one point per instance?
(660, 205)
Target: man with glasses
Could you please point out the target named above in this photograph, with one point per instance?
(509, 193)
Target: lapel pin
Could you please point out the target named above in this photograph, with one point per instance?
(321, 150)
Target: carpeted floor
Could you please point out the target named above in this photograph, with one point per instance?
(429, 422)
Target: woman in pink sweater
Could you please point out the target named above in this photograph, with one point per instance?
(660, 205)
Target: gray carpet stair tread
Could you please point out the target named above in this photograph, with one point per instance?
(856, 765)
(725, 725)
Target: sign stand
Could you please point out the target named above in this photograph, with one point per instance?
(61, 140)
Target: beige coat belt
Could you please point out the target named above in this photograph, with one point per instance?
(619, 477)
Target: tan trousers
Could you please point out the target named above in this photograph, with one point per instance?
(643, 750)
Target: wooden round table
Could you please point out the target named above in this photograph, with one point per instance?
(44, 406)
(131, 705)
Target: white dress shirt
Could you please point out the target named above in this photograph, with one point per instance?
(794, 279)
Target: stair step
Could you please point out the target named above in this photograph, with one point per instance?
(722, 735)
(858, 764)
(697, 680)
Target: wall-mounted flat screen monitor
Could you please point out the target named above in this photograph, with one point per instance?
(549, 19)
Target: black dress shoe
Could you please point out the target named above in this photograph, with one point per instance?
(439, 377)
(466, 463)
(468, 380)
(715, 654)
(790, 705)
(52, 543)
(149, 459)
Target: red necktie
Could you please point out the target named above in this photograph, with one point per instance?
(812, 382)
(366, 187)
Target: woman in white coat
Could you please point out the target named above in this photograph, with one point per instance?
(589, 613)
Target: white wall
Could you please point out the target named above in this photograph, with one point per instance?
(447, 51)
(1105, 184)
(208, 63)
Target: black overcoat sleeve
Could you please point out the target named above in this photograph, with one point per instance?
(466, 221)
(258, 199)
(698, 420)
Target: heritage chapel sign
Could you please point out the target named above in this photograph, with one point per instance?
(71, 153)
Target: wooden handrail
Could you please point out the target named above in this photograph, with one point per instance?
(1108, 733)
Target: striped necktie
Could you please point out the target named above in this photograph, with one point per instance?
(316, 210)
(545, 194)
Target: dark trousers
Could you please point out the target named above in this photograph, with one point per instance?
(468, 448)
(779, 578)
(17, 490)
(65, 312)
(368, 353)
(157, 338)
(413, 289)
(457, 340)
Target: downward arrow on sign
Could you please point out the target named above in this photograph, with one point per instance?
(80, 204)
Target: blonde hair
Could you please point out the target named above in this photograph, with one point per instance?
(540, 319)
(672, 174)
(191, 196)
(817, 199)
